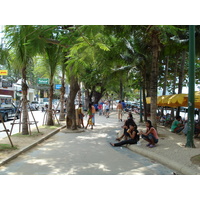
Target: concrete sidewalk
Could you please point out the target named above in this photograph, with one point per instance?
(169, 151)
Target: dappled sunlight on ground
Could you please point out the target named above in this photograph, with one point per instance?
(38, 161)
(103, 135)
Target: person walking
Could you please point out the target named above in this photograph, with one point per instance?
(80, 115)
(107, 107)
(119, 110)
(100, 108)
(93, 113)
(89, 122)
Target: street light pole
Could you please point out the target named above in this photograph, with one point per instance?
(190, 141)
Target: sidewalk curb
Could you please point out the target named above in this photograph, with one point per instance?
(183, 170)
(31, 145)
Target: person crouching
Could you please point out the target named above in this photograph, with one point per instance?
(151, 135)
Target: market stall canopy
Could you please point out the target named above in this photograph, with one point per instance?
(175, 100)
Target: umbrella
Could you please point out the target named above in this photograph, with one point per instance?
(175, 100)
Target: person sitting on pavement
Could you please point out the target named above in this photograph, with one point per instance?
(177, 125)
(126, 126)
(151, 135)
(133, 134)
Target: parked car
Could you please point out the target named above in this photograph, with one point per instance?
(7, 111)
(34, 105)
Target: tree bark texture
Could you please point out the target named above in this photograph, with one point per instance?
(50, 121)
(71, 114)
(165, 81)
(181, 78)
(98, 96)
(174, 84)
(154, 76)
(24, 103)
(62, 98)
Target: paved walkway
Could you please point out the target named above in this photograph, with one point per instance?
(84, 153)
(170, 150)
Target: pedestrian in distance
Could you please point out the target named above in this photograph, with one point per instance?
(100, 108)
(104, 108)
(123, 105)
(81, 115)
(93, 113)
(151, 135)
(107, 107)
(89, 122)
(133, 134)
(119, 110)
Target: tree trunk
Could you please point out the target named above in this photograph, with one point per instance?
(144, 86)
(62, 96)
(98, 95)
(154, 77)
(144, 103)
(181, 78)
(50, 121)
(24, 103)
(71, 114)
(165, 82)
(174, 84)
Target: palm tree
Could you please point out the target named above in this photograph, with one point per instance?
(52, 58)
(20, 41)
(62, 90)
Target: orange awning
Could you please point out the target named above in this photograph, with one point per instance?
(175, 100)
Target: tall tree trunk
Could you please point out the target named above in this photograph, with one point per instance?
(62, 95)
(154, 76)
(144, 103)
(50, 120)
(165, 82)
(174, 84)
(24, 103)
(144, 87)
(98, 95)
(148, 92)
(166, 76)
(71, 115)
(181, 78)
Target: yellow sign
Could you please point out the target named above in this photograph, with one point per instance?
(3, 72)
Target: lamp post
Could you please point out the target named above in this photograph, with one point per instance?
(190, 141)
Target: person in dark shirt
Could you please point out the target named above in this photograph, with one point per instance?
(126, 126)
(133, 134)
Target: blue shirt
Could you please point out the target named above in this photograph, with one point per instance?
(123, 104)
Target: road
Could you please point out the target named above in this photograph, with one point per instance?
(84, 153)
